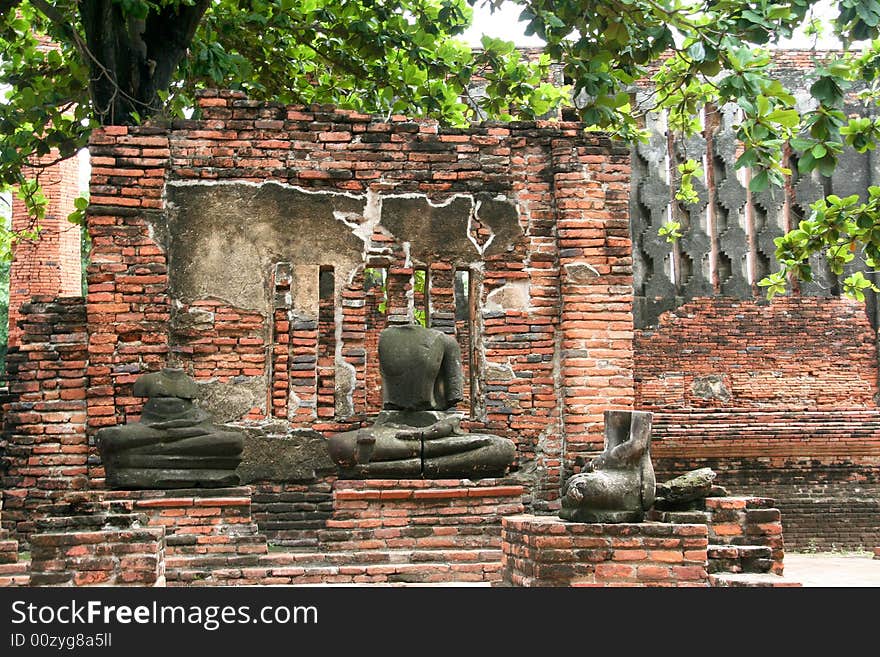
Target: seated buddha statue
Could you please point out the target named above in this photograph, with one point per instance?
(174, 445)
(418, 434)
(619, 484)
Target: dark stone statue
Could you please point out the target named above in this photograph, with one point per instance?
(421, 369)
(618, 485)
(417, 435)
(174, 445)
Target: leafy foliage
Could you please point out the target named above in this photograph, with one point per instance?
(129, 60)
(391, 57)
(839, 227)
(671, 230)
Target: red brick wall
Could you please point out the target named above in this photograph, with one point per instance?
(127, 303)
(795, 353)
(44, 448)
(793, 415)
(571, 193)
(51, 264)
(542, 551)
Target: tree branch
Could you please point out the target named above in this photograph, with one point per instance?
(7, 5)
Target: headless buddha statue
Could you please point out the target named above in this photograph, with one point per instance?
(619, 484)
(417, 434)
(174, 445)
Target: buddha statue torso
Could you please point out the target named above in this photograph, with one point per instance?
(174, 445)
(417, 434)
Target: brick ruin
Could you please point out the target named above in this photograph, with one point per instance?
(264, 248)
(780, 398)
(50, 266)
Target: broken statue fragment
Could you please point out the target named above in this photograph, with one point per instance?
(174, 445)
(618, 485)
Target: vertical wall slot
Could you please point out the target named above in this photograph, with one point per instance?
(421, 286)
(376, 310)
(464, 331)
(326, 342)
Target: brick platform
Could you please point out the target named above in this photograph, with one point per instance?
(197, 521)
(86, 544)
(8, 546)
(419, 513)
(12, 571)
(820, 465)
(548, 551)
(382, 531)
(745, 533)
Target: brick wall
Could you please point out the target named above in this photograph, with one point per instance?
(752, 525)
(779, 399)
(49, 265)
(86, 543)
(570, 192)
(547, 551)
(291, 514)
(44, 448)
(796, 353)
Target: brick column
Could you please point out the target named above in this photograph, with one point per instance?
(536, 379)
(44, 442)
(128, 308)
(595, 257)
(49, 265)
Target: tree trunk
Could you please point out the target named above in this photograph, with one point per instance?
(8, 5)
(131, 59)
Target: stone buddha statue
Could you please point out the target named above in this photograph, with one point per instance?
(418, 434)
(619, 484)
(174, 445)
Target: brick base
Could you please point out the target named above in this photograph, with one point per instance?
(197, 521)
(8, 548)
(380, 532)
(97, 548)
(419, 513)
(548, 551)
(745, 533)
(12, 571)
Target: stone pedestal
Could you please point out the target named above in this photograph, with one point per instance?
(89, 545)
(549, 551)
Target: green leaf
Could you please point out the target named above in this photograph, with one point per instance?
(826, 90)
(788, 118)
(697, 51)
(759, 182)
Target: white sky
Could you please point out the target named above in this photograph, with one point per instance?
(503, 23)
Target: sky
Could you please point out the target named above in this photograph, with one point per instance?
(503, 23)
